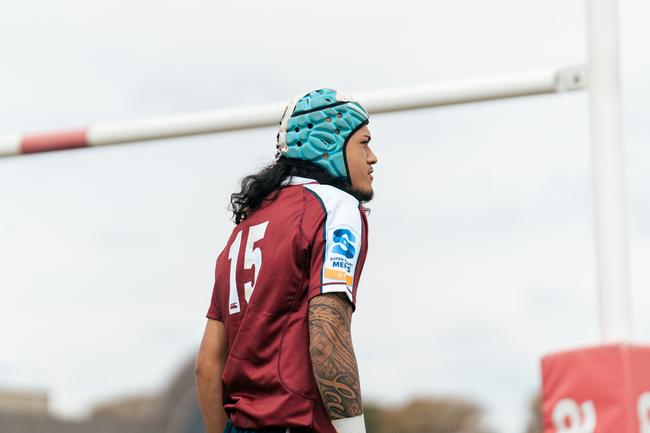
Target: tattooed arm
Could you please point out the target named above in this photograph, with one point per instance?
(332, 355)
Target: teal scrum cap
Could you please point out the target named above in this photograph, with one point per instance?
(316, 127)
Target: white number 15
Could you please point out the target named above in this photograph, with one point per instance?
(252, 257)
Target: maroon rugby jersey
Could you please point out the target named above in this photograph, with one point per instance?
(312, 239)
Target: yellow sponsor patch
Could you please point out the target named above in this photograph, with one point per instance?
(336, 274)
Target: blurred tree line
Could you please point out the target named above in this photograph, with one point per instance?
(535, 415)
(439, 415)
(175, 409)
(426, 415)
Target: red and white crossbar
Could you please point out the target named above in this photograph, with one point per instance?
(382, 101)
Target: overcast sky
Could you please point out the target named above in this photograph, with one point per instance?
(481, 254)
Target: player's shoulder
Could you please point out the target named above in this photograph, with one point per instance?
(336, 211)
(324, 197)
(331, 199)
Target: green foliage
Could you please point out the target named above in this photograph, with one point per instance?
(426, 415)
(535, 420)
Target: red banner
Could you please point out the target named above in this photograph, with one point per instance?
(603, 389)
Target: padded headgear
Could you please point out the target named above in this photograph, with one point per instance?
(316, 127)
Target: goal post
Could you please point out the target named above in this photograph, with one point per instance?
(536, 82)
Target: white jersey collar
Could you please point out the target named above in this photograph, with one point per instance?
(297, 180)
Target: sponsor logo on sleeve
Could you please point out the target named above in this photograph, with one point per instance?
(343, 244)
(344, 240)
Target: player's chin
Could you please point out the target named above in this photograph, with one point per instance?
(364, 193)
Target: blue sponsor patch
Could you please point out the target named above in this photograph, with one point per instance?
(344, 243)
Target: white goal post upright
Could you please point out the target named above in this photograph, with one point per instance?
(603, 388)
(608, 173)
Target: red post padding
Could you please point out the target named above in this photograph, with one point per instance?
(54, 141)
(604, 389)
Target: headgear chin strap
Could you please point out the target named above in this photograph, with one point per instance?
(316, 127)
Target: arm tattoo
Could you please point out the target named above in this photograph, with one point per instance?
(333, 361)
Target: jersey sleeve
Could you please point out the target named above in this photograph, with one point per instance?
(338, 234)
(214, 312)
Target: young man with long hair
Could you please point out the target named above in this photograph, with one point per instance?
(276, 354)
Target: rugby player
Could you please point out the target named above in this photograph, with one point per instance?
(277, 354)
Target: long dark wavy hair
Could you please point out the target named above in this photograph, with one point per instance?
(266, 184)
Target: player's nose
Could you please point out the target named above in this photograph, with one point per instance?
(372, 158)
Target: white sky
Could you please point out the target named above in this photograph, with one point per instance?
(481, 257)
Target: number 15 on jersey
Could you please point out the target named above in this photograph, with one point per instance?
(252, 257)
